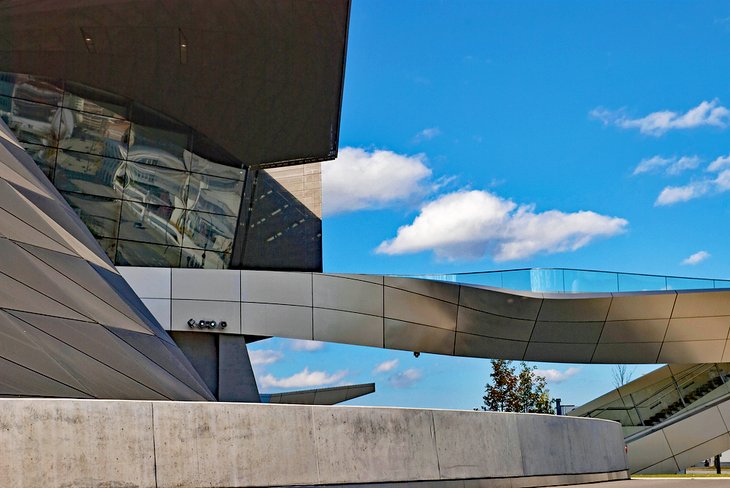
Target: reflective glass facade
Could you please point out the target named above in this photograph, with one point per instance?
(137, 179)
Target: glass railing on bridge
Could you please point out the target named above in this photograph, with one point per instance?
(568, 280)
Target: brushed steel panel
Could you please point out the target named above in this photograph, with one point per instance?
(646, 451)
(410, 307)
(487, 347)
(642, 306)
(206, 284)
(161, 309)
(702, 304)
(705, 450)
(692, 352)
(148, 282)
(448, 292)
(348, 327)
(639, 353)
(561, 353)
(628, 331)
(184, 310)
(376, 279)
(485, 324)
(577, 332)
(569, 309)
(505, 304)
(695, 430)
(418, 338)
(286, 288)
(698, 328)
(277, 320)
(347, 294)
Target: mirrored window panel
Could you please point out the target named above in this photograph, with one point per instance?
(144, 254)
(214, 195)
(151, 223)
(45, 157)
(159, 186)
(92, 133)
(101, 215)
(209, 231)
(197, 258)
(89, 174)
(132, 174)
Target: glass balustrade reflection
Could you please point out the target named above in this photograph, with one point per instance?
(565, 280)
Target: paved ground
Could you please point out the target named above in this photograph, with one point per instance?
(661, 483)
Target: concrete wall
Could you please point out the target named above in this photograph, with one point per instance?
(125, 444)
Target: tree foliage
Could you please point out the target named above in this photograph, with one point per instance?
(513, 391)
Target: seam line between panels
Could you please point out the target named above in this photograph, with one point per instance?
(603, 326)
(534, 326)
(666, 331)
(92, 357)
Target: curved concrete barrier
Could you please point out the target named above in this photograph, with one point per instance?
(196, 444)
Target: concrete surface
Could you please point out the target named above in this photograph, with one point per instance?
(662, 483)
(85, 443)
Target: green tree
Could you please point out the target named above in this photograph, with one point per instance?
(510, 391)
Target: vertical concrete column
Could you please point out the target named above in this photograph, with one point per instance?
(236, 382)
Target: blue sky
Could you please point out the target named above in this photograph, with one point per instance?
(603, 125)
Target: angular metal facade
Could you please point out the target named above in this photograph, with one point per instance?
(70, 325)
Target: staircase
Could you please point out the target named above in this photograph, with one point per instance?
(683, 403)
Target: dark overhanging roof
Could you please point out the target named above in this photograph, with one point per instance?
(262, 79)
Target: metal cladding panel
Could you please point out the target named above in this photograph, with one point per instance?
(77, 329)
(466, 320)
(262, 78)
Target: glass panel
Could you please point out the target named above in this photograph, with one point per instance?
(201, 165)
(214, 195)
(577, 281)
(45, 157)
(722, 283)
(89, 174)
(547, 280)
(32, 88)
(209, 231)
(688, 284)
(101, 215)
(151, 223)
(632, 282)
(110, 248)
(157, 140)
(144, 254)
(517, 280)
(91, 100)
(159, 186)
(483, 279)
(95, 134)
(34, 122)
(196, 258)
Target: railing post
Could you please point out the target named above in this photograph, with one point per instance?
(679, 392)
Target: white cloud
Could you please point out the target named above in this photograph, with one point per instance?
(674, 194)
(658, 123)
(472, 224)
(264, 356)
(720, 163)
(556, 376)
(696, 258)
(406, 379)
(386, 366)
(303, 379)
(308, 346)
(673, 166)
(359, 179)
(427, 134)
